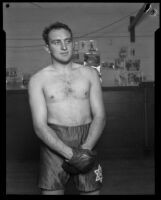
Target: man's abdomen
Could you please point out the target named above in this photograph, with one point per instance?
(70, 113)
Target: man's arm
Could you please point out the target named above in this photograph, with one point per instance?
(39, 116)
(98, 112)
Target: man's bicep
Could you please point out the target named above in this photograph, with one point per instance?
(37, 104)
(96, 96)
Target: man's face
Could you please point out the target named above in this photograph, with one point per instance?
(60, 45)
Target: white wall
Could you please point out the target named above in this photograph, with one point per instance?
(24, 20)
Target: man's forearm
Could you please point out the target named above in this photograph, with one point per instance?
(95, 131)
(49, 137)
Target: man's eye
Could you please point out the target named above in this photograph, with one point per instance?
(57, 42)
(68, 41)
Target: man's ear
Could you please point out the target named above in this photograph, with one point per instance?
(46, 47)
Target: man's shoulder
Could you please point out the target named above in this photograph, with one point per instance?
(39, 75)
(76, 66)
(89, 70)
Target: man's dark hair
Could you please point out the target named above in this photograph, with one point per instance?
(55, 26)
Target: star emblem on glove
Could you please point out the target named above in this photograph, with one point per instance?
(98, 173)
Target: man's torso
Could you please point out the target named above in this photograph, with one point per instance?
(67, 97)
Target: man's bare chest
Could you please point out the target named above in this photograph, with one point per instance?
(61, 88)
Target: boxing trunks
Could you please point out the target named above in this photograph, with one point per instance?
(51, 174)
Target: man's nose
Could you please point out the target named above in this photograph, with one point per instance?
(63, 46)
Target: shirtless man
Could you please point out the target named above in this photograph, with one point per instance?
(67, 108)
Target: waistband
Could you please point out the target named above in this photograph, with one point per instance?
(63, 126)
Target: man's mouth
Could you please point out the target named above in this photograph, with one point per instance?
(64, 53)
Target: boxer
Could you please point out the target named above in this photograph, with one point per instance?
(68, 117)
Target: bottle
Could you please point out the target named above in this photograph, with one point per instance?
(75, 56)
(92, 57)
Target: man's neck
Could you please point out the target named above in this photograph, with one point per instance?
(59, 67)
